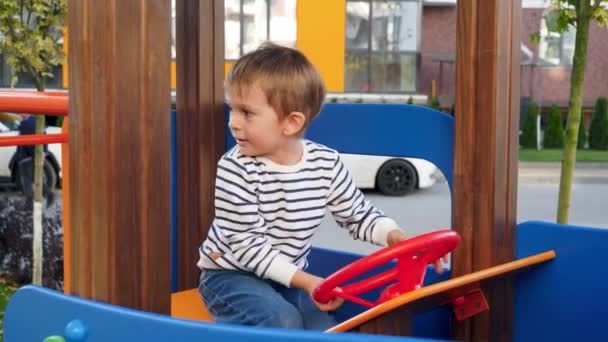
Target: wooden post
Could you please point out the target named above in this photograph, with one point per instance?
(485, 167)
(200, 125)
(119, 147)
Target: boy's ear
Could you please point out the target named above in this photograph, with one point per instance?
(294, 123)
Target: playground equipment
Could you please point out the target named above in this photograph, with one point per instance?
(119, 234)
(539, 291)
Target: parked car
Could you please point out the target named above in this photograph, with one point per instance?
(391, 176)
(9, 165)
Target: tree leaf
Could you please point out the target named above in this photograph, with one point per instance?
(535, 37)
(30, 30)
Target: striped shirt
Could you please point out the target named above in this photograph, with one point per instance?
(266, 214)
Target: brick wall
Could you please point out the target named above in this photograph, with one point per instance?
(548, 85)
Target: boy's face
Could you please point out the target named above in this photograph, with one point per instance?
(254, 124)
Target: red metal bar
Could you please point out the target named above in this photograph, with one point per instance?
(30, 102)
(34, 139)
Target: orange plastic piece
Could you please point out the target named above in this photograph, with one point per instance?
(189, 305)
(65, 183)
(29, 102)
(34, 139)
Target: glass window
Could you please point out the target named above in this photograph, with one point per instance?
(382, 46)
(232, 28)
(393, 73)
(255, 24)
(556, 47)
(249, 23)
(357, 25)
(283, 25)
(357, 72)
(395, 26)
(173, 35)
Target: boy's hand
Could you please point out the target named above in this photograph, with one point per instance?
(397, 235)
(309, 283)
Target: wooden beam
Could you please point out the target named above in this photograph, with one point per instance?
(119, 144)
(200, 125)
(485, 166)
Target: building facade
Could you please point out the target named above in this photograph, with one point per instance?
(393, 47)
(546, 66)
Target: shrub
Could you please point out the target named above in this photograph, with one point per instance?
(598, 133)
(529, 135)
(433, 103)
(410, 100)
(554, 132)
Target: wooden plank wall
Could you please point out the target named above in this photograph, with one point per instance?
(486, 140)
(200, 126)
(119, 147)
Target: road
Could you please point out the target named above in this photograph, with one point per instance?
(429, 209)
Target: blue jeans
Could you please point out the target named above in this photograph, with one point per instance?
(243, 298)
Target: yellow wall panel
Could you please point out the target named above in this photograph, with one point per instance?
(227, 66)
(64, 69)
(173, 75)
(321, 36)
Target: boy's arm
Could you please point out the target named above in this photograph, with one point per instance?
(352, 211)
(238, 220)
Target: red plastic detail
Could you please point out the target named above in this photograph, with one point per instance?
(469, 305)
(354, 299)
(33, 139)
(48, 103)
(413, 256)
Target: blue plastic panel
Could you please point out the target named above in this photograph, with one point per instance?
(35, 313)
(565, 299)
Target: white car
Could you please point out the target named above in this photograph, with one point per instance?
(391, 176)
(9, 126)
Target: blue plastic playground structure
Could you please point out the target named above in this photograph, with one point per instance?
(562, 300)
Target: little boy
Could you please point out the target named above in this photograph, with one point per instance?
(271, 193)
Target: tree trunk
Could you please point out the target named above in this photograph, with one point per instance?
(574, 112)
(37, 207)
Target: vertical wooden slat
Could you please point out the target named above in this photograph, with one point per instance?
(119, 145)
(485, 169)
(200, 125)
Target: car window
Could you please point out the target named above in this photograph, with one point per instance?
(9, 122)
(3, 128)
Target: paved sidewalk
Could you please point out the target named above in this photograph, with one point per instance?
(549, 172)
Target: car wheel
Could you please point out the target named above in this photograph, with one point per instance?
(24, 177)
(396, 177)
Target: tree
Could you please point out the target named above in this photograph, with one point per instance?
(582, 135)
(564, 14)
(598, 134)
(529, 136)
(29, 39)
(554, 132)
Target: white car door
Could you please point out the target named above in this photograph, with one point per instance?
(6, 152)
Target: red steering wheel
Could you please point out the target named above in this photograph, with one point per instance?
(413, 255)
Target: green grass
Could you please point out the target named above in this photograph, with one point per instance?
(556, 155)
(6, 291)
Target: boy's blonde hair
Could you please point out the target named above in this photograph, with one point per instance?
(290, 82)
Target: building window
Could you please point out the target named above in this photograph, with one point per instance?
(382, 46)
(248, 23)
(555, 47)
